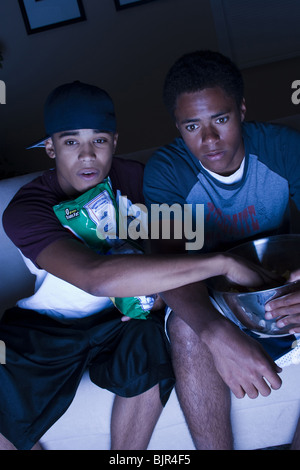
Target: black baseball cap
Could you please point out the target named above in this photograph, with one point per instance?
(77, 105)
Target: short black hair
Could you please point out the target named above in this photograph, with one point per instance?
(199, 70)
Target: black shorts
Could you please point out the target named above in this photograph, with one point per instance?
(45, 361)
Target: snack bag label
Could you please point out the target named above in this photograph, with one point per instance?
(93, 218)
(103, 213)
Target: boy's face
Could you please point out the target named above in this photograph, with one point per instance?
(210, 124)
(83, 158)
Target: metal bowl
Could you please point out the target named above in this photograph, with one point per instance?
(280, 254)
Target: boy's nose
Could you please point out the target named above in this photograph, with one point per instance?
(87, 152)
(209, 134)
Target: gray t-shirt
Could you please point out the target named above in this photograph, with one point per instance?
(255, 206)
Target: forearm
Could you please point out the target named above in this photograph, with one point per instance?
(131, 275)
(142, 275)
(126, 275)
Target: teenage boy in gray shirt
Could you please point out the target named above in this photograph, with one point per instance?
(244, 174)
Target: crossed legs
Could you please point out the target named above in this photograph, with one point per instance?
(204, 397)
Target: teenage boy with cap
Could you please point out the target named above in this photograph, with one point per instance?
(70, 324)
(243, 174)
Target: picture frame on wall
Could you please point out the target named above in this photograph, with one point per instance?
(121, 4)
(41, 15)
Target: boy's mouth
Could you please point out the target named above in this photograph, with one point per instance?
(88, 173)
(215, 155)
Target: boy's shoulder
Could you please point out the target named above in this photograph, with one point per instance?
(127, 176)
(126, 165)
(266, 131)
(270, 141)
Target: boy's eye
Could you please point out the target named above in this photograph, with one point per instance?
(192, 127)
(101, 140)
(222, 120)
(70, 142)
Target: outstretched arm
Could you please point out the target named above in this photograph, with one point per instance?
(130, 275)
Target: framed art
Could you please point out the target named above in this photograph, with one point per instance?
(40, 15)
(120, 4)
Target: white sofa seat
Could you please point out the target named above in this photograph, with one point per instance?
(257, 423)
(263, 422)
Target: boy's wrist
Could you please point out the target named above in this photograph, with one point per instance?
(222, 264)
(216, 330)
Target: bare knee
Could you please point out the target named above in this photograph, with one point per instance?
(133, 420)
(181, 335)
(5, 444)
(187, 349)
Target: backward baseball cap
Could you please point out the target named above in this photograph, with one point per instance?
(77, 105)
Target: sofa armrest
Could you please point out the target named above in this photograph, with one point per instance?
(16, 280)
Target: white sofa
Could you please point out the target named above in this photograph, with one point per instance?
(258, 423)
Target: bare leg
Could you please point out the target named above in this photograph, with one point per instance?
(296, 441)
(203, 396)
(133, 420)
(6, 445)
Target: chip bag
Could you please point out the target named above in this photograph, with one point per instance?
(94, 219)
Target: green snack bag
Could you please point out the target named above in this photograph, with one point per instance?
(93, 218)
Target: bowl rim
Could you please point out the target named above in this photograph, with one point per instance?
(262, 291)
(272, 238)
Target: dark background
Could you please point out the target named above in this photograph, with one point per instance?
(127, 52)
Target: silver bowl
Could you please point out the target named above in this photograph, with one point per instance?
(281, 254)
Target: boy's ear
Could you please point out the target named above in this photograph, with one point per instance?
(243, 109)
(49, 147)
(116, 136)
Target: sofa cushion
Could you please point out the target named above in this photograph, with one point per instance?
(16, 280)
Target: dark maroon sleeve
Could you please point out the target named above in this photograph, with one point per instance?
(127, 176)
(29, 220)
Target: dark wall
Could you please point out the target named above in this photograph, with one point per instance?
(128, 53)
